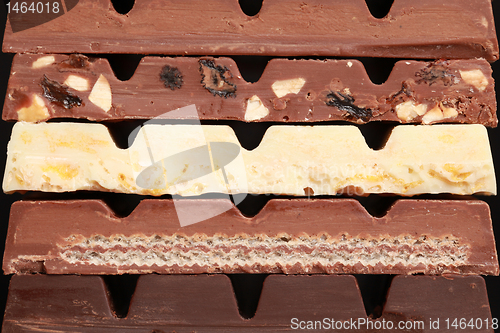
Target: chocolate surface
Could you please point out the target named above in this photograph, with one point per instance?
(458, 29)
(207, 304)
(290, 236)
(453, 91)
(444, 306)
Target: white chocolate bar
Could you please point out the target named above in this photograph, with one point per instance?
(192, 160)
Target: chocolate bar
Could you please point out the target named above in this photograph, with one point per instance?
(43, 87)
(298, 236)
(192, 160)
(345, 28)
(207, 304)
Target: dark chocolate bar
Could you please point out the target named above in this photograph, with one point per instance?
(207, 304)
(43, 87)
(298, 236)
(423, 29)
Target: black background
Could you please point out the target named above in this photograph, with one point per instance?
(493, 283)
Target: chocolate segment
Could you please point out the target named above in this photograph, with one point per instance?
(461, 29)
(292, 160)
(288, 236)
(453, 91)
(207, 304)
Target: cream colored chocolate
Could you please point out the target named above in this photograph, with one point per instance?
(292, 160)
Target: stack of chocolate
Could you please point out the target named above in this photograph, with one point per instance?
(174, 148)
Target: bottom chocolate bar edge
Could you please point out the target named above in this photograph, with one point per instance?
(206, 303)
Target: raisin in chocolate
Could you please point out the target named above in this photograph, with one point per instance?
(215, 79)
(78, 61)
(435, 72)
(171, 77)
(400, 95)
(345, 102)
(59, 94)
(21, 99)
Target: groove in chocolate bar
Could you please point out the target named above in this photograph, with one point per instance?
(458, 29)
(453, 91)
(206, 304)
(249, 135)
(298, 236)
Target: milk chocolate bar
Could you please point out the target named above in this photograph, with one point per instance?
(345, 28)
(43, 87)
(207, 304)
(299, 236)
(192, 160)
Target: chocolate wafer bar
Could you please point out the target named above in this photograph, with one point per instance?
(193, 159)
(297, 236)
(44, 87)
(207, 304)
(345, 28)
